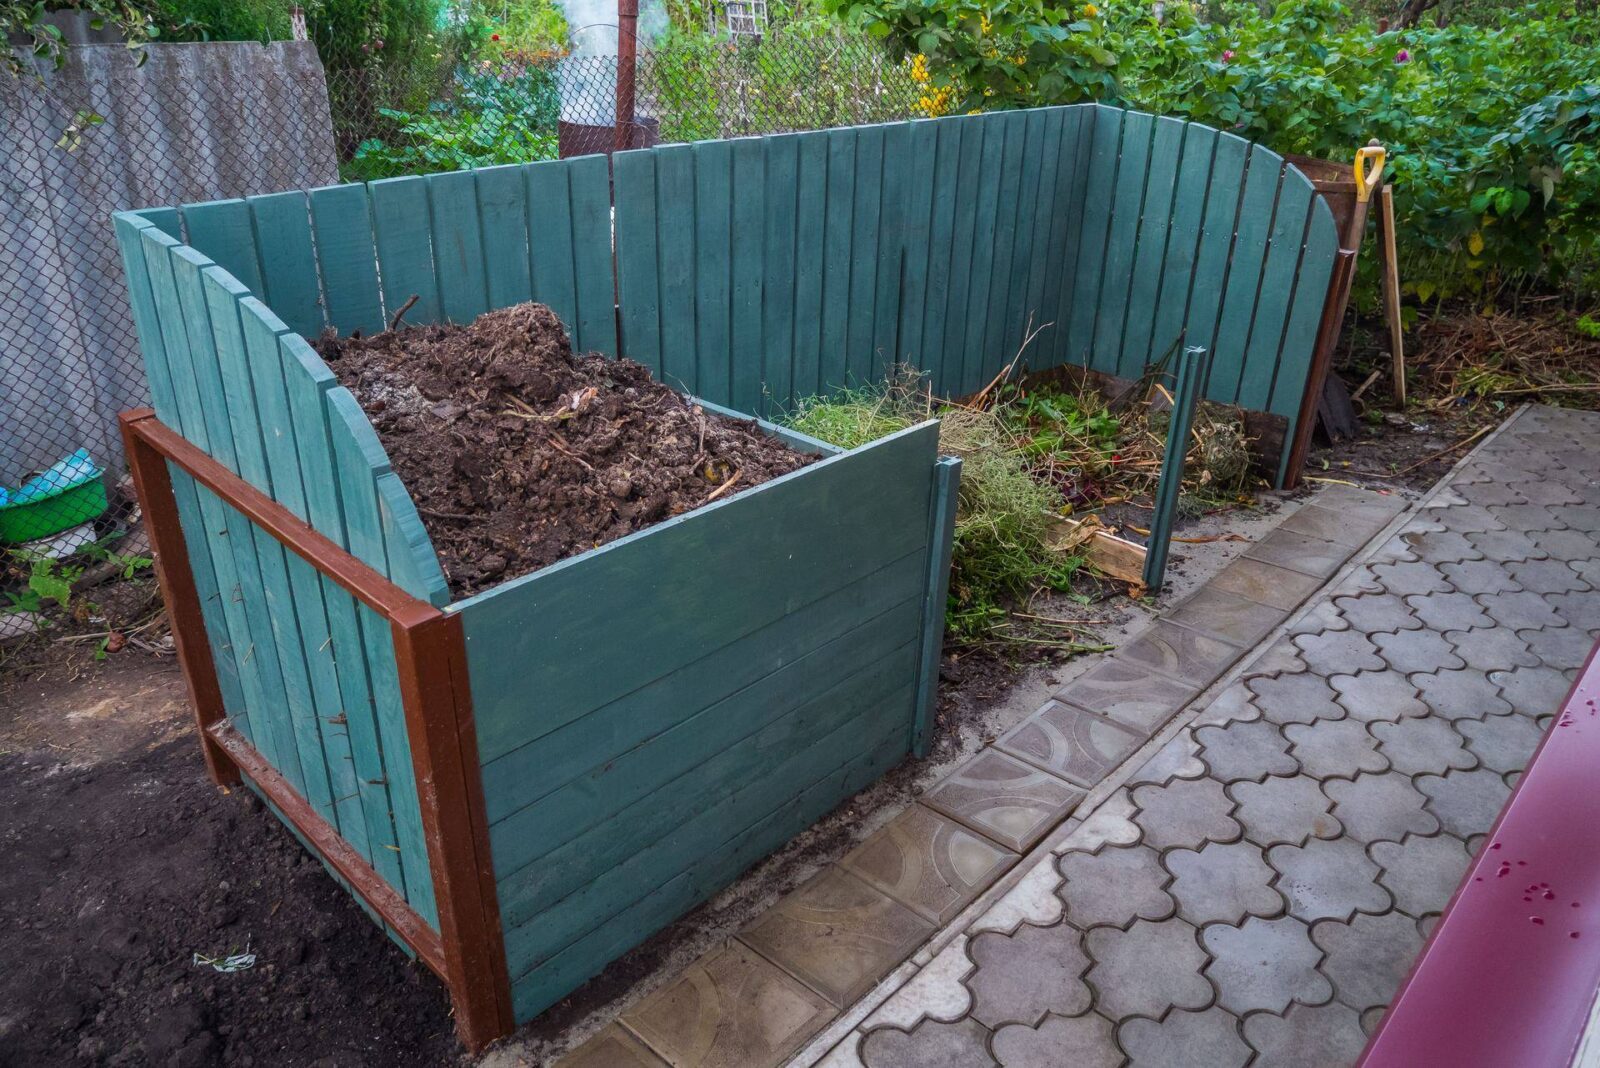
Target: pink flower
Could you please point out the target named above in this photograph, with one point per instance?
(1227, 57)
(1402, 56)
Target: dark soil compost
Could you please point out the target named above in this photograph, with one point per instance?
(519, 454)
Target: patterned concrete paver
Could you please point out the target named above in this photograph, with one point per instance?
(1266, 879)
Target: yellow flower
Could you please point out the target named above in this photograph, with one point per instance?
(919, 68)
(1090, 11)
(984, 22)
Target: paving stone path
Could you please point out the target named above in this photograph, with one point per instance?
(1255, 893)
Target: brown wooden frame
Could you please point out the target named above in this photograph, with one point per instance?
(467, 951)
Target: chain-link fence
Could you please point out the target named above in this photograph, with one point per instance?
(208, 121)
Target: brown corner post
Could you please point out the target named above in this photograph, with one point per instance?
(430, 650)
(627, 69)
(1344, 270)
(153, 484)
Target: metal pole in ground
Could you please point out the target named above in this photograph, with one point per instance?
(627, 69)
(1194, 367)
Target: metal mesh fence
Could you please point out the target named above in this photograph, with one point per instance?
(203, 122)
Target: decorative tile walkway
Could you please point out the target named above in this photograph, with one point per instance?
(835, 938)
(1256, 890)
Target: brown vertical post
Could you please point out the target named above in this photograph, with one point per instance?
(1391, 291)
(1344, 271)
(430, 651)
(153, 484)
(627, 68)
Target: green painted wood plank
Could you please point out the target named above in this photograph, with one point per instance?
(288, 260)
(552, 256)
(1289, 223)
(1097, 193)
(167, 220)
(1072, 172)
(457, 238)
(930, 354)
(413, 564)
(638, 263)
(713, 269)
(793, 539)
(503, 232)
(782, 184)
(810, 266)
(1216, 242)
(895, 193)
(534, 991)
(749, 218)
(358, 462)
(341, 218)
(914, 173)
(985, 234)
(965, 193)
(1000, 338)
(692, 821)
(1262, 178)
(861, 361)
(675, 228)
(1122, 242)
(568, 838)
(524, 775)
(1144, 294)
(363, 774)
(402, 223)
(837, 256)
(147, 323)
(1021, 302)
(1305, 315)
(1183, 240)
(590, 192)
(222, 231)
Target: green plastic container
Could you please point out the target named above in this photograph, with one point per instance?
(42, 507)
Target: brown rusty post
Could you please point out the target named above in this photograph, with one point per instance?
(627, 69)
(430, 651)
(153, 484)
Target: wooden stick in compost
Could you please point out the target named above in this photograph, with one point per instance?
(394, 323)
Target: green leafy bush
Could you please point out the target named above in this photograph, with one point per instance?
(1493, 130)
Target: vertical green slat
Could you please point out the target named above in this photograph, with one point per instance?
(146, 322)
(1019, 296)
(1122, 241)
(363, 771)
(165, 220)
(915, 194)
(358, 462)
(221, 230)
(638, 276)
(1261, 364)
(941, 538)
(342, 220)
(1305, 315)
(1183, 239)
(749, 215)
(809, 266)
(256, 414)
(403, 225)
(1061, 255)
(594, 279)
(1043, 225)
(838, 236)
(999, 342)
(1216, 240)
(782, 182)
(866, 219)
(551, 253)
(896, 190)
(1262, 178)
(675, 221)
(1098, 194)
(503, 221)
(966, 195)
(288, 260)
(713, 240)
(457, 245)
(941, 256)
(1144, 294)
(413, 565)
(975, 360)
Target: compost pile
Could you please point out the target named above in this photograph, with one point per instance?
(519, 454)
